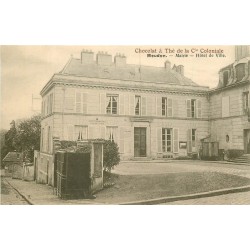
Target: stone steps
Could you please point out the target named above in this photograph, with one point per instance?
(242, 159)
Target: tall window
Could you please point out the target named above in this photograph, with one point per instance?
(193, 137)
(111, 134)
(225, 78)
(111, 104)
(245, 102)
(164, 106)
(48, 140)
(193, 102)
(137, 105)
(240, 71)
(194, 108)
(81, 133)
(225, 112)
(167, 140)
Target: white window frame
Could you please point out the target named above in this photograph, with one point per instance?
(168, 131)
(80, 130)
(111, 96)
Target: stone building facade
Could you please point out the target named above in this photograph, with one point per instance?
(151, 112)
(229, 119)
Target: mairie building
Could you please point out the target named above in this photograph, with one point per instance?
(150, 112)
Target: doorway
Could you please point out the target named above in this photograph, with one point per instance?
(247, 141)
(140, 141)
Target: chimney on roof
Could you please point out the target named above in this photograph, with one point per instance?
(120, 60)
(87, 56)
(180, 69)
(242, 51)
(167, 65)
(103, 58)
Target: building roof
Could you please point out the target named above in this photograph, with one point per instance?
(13, 157)
(126, 72)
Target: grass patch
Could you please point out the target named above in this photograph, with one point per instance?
(143, 187)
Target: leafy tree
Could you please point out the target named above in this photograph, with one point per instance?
(27, 137)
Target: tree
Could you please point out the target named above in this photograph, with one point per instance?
(27, 137)
(7, 140)
(111, 156)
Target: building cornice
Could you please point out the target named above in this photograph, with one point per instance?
(237, 84)
(123, 85)
(133, 118)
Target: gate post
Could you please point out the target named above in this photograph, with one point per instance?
(96, 166)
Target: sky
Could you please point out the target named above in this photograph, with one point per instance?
(26, 69)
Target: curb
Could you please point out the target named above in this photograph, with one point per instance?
(158, 200)
(188, 197)
(169, 161)
(22, 195)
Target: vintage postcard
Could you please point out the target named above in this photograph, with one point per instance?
(141, 125)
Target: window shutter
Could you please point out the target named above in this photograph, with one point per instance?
(126, 104)
(198, 108)
(159, 106)
(225, 106)
(103, 103)
(175, 108)
(47, 106)
(52, 104)
(189, 140)
(144, 105)
(91, 132)
(121, 104)
(159, 139)
(188, 104)
(78, 102)
(170, 107)
(150, 106)
(85, 103)
(102, 132)
(70, 133)
(121, 140)
(69, 103)
(132, 105)
(176, 140)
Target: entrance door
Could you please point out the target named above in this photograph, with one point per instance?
(247, 141)
(140, 147)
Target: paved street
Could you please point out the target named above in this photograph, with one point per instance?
(9, 196)
(227, 199)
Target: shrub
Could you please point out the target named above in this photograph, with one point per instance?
(67, 144)
(111, 156)
(234, 153)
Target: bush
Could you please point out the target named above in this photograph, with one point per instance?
(67, 144)
(234, 153)
(111, 156)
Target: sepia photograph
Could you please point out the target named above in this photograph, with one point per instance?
(125, 125)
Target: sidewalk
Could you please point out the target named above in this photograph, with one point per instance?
(151, 183)
(40, 194)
